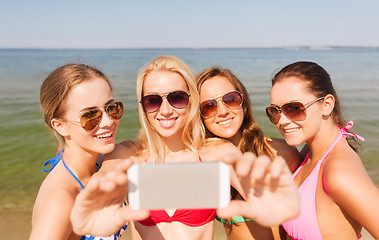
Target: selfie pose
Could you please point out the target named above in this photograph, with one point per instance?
(337, 195)
(226, 112)
(77, 104)
(172, 132)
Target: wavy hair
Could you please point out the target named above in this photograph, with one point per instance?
(252, 139)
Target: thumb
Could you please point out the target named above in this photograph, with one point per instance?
(236, 208)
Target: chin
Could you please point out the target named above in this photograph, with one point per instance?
(293, 142)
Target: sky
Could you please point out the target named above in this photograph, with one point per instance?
(187, 24)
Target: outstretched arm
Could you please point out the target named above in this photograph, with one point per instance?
(99, 210)
(270, 193)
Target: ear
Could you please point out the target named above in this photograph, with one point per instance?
(328, 105)
(58, 126)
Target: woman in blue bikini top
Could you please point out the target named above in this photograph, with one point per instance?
(78, 106)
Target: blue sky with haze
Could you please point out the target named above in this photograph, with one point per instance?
(191, 23)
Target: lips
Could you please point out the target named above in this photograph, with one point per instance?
(225, 122)
(106, 135)
(290, 130)
(167, 123)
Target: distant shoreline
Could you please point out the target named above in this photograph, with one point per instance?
(300, 47)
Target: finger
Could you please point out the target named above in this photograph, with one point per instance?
(278, 166)
(245, 164)
(113, 180)
(260, 168)
(124, 165)
(91, 188)
(236, 208)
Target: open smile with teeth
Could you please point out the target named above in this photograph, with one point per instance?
(104, 135)
(225, 122)
(167, 123)
(291, 130)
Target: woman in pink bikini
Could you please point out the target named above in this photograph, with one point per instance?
(172, 131)
(337, 195)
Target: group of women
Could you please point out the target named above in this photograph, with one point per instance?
(198, 119)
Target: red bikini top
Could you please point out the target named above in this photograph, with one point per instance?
(189, 217)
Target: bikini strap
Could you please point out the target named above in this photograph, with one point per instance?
(72, 174)
(54, 161)
(344, 131)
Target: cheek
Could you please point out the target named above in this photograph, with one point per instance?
(207, 123)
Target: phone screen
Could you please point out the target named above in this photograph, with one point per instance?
(179, 185)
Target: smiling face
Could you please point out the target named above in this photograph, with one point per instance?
(293, 89)
(167, 121)
(227, 121)
(94, 93)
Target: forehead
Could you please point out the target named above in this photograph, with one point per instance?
(290, 89)
(215, 86)
(90, 93)
(163, 81)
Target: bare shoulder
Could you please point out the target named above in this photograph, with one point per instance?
(345, 175)
(289, 153)
(216, 149)
(49, 217)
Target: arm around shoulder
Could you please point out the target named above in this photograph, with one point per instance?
(289, 153)
(122, 151)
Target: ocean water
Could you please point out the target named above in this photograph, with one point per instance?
(26, 143)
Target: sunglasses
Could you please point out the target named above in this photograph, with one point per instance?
(294, 111)
(92, 118)
(232, 100)
(177, 99)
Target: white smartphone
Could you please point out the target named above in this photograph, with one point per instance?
(179, 185)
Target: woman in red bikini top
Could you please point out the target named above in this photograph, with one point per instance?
(171, 132)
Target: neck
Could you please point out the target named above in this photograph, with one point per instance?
(80, 161)
(323, 139)
(236, 139)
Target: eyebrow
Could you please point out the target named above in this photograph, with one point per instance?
(92, 108)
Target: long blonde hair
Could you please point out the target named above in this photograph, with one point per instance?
(149, 141)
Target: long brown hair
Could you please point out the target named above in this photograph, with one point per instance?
(252, 139)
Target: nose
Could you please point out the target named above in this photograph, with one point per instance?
(165, 108)
(222, 110)
(283, 119)
(106, 121)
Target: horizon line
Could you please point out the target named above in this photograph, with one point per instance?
(295, 47)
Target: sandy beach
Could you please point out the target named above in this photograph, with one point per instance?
(17, 225)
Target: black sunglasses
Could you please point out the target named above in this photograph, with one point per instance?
(177, 99)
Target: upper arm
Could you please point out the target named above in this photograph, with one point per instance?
(289, 153)
(51, 217)
(352, 189)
